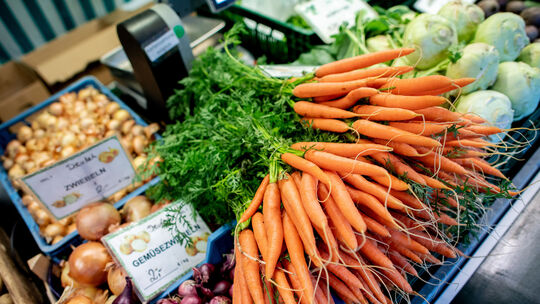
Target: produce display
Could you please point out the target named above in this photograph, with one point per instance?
(76, 121)
(355, 171)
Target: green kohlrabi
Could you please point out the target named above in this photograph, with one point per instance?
(465, 17)
(431, 36)
(492, 106)
(378, 43)
(506, 32)
(531, 55)
(478, 60)
(521, 83)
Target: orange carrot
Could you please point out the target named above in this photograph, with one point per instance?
(317, 89)
(363, 273)
(257, 223)
(457, 84)
(396, 278)
(408, 199)
(319, 295)
(296, 254)
(325, 124)
(406, 102)
(370, 202)
(375, 227)
(365, 73)
(401, 262)
(341, 164)
(256, 201)
(388, 159)
(335, 217)
(345, 204)
(242, 285)
(417, 86)
(413, 256)
(398, 147)
(484, 130)
(475, 143)
(478, 164)
(361, 61)
(369, 250)
(435, 161)
(343, 273)
(375, 130)
(268, 292)
(248, 246)
(434, 183)
(393, 182)
(305, 165)
(295, 283)
(383, 113)
(283, 287)
(351, 98)
(457, 152)
(339, 287)
(407, 242)
(474, 118)
(327, 97)
(274, 227)
(433, 244)
(440, 114)
(430, 258)
(342, 149)
(363, 184)
(420, 127)
(316, 110)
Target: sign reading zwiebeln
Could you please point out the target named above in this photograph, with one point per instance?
(154, 256)
(82, 178)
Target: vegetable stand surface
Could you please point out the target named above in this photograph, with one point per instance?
(23, 118)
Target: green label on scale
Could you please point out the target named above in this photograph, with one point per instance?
(179, 31)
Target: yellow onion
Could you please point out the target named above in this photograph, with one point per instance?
(93, 221)
(112, 107)
(24, 133)
(116, 279)
(87, 264)
(136, 208)
(53, 230)
(121, 115)
(139, 143)
(65, 279)
(16, 171)
(13, 148)
(56, 109)
(8, 163)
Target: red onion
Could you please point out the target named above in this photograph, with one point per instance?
(167, 301)
(231, 290)
(93, 221)
(87, 264)
(221, 288)
(126, 297)
(187, 288)
(191, 300)
(203, 273)
(220, 300)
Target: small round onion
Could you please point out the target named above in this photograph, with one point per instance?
(39, 133)
(8, 163)
(87, 122)
(69, 139)
(56, 109)
(91, 106)
(220, 300)
(13, 147)
(87, 264)
(191, 300)
(72, 227)
(118, 195)
(121, 115)
(187, 288)
(53, 125)
(57, 239)
(29, 166)
(93, 221)
(27, 199)
(127, 143)
(84, 93)
(53, 230)
(139, 143)
(167, 301)
(42, 119)
(21, 159)
(139, 161)
(16, 171)
(127, 125)
(116, 279)
(33, 207)
(136, 208)
(112, 107)
(24, 133)
(67, 151)
(113, 125)
(68, 97)
(42, 217)
(151, 129)
(137, 130)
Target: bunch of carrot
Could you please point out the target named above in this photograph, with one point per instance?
(347, 219)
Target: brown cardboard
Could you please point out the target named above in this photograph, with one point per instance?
(67, 55)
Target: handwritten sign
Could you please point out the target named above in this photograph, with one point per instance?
(85, 177)
(152, 256)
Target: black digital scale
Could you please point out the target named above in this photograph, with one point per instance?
(159, 49)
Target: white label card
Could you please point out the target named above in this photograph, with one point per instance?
(326, 16)
(152, 257)
(162, 45)
(433, 6)
(88, 176)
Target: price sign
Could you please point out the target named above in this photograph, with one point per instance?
(85, 177)
(152, 256)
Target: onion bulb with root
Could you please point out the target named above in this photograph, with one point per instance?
(56, 109)
(116, 279)
(8, 163)
(42, 217)
(53, 230)
(27, 199)
(93, 221)
(16, 171)
(137, 130)
(87, 264)
(121, 115)
(139, 143)
(136, 208)
(65, 279)
(21, 159)
(151, 129)
(127, 125)
(67, 151)
(112, 107)
(24, 133)
(13, 147)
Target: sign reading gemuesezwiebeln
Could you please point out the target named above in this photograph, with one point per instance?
(85, 177)
(153, 255)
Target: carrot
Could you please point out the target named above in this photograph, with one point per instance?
(401, 262)
(319, 295)
(457, 84)
(256, 201)
(440, 114)
(283, 287)
(396, 278)
(268, 292)
(326, 293)
(393, 182)
(416, 86)
(274, 227)
(434, 183)
(369, 250)
(361, 61)
(363, 184)
(293, 205)
(457, 152)
(363, 273)
(295, 283)
(316, 110)
(435, 161)
(236, 296)
(484, 130)
(420, 128)
(317, 89)
(327, 97)
(382, 113)
(305, 165)
(413, 256)
(296, 254)
(398, 147)
(430, 258)
(410, 244)
(325, 124)
(250, 267)
(451, 201)
(343, 273)
(365, 73)
(375, 227)
(342, 149)
(406, 102)
(366, 292)
(375, 130)
(337, 219)
(259, 232)
(351, 98)
(297, 178)
(242, 285)
(333, 162)
(388, 159)
(475, 143)
(474, 118)
(433, 244)
(370, 202)
(477, 163)
(342, 290)
(408, 199)
(345, 204)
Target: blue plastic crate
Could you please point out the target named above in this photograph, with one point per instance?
(6, 136)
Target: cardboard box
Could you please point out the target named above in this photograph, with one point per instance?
(20, 89)
(70, 54)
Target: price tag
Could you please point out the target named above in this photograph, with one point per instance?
(326, 16)
(152, 257)
(85, 177)
(433, 6)
(161, 45)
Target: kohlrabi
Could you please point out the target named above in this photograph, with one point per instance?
(521, 83)
(493, 106)
(378, 43)
(531, 55)
(506, 32)
(431, 36)
(465, 17)
(478, 60)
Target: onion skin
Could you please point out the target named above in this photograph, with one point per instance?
(126, 297)
(80, 299)
(93, 221)
(87, 264)
(187, 288)
(137, 208)
(191, 300)
(116, 279)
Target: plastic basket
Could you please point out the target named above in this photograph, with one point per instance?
(280, 42)
(6, 136)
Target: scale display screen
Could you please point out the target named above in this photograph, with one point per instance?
(219, 5)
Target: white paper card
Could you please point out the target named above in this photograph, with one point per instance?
(433, 6)
(85, 177)
(326, 16)
(162, 45)
(152, 257)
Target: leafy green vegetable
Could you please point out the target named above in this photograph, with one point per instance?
(298, 21)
